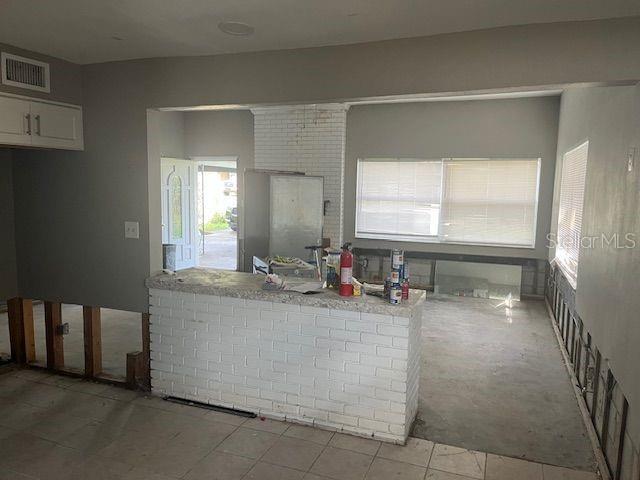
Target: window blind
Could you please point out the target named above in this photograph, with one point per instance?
(398, 198)
(572, 185)
(490, 201)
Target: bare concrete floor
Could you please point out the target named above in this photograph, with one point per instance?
(220, 250)
(121, 334)
(498, 384)
(57, 428)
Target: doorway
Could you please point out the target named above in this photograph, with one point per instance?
(179, 211)
(217, 212)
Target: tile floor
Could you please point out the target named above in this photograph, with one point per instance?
(55, 427)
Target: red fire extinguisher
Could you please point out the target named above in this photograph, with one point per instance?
(346, 271)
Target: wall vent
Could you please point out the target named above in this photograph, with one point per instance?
(25, 73)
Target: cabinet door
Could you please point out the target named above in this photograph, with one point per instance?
(56, 126)
(14, 121)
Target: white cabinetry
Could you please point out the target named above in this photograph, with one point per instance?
(28, 122)
(14, 119)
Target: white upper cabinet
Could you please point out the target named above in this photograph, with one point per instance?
(40, 124)
(14, 121)
(56, 126)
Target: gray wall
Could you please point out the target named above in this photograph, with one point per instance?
(607, 297)
(525, 127)
(66, 78)
(84, 198)
(8, 273)
(171, 131)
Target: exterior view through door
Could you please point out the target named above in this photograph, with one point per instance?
(199, 212)
(218, 212)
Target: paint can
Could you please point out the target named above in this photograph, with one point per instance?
(405, 290)
(395, 294)
(405, 270)
(395, 277)
(397, 259)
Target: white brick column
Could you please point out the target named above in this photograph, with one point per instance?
(308, 139)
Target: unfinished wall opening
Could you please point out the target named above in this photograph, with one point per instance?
(72, 339)
(121, 334)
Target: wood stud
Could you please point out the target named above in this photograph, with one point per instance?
(54, 338)
(621, 438)
(21, 331)
(92, 341)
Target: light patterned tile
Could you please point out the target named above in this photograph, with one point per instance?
(293, 453)
(383, 469)
(416, 451)
(266, 425)
(266, 471)
(342, 464)
(309, 433)
(356, 444)
(248, 443)
(220, 466)
(458, 460)
(440, 475)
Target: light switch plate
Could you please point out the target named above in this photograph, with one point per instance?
(631, 159)
(131, 230)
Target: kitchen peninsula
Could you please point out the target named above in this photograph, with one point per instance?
(343, 363)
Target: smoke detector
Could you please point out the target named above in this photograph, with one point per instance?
(237, 29)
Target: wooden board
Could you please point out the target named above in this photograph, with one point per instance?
(92, 341)
(21, 331)
(54, 338)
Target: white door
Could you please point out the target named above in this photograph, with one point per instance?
(179, 209)
(56, 126)
(15, 128)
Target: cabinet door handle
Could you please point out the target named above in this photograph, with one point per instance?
(38, 125)
(28, 118)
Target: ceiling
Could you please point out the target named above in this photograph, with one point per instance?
(93, 31)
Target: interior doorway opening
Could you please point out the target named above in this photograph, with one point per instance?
(200, 212)
(217, 199)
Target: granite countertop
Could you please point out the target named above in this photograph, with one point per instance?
(248, 286)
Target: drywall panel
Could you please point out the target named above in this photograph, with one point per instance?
(8, 273)
(83, 198)
(607, 289)
(525, 127)
(171, 134)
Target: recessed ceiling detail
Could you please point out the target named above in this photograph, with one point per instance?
(83, 31)
(238, 29)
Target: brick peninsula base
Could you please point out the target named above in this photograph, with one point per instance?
(344, 364)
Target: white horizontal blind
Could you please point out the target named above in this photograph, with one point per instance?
(398, 198)
(572, 185)
(490, 201)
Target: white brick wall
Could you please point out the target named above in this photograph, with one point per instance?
(303, 364)
(309, 139)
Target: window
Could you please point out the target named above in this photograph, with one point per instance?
(398, 199)
(572, 184)
(455, 200)
(490, 201)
